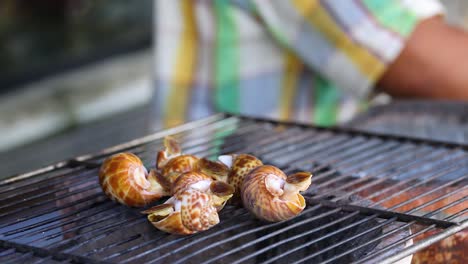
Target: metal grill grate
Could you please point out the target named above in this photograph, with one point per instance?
(440, 120)
(374, 199)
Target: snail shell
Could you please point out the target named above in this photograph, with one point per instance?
(187, 212)
(171, 150)
(216, 170)
(273, 197)
(220, 191)
(172, 163)
(176, 166)
(240, 165)
(193, 207)
(124, 179)
(186, 180)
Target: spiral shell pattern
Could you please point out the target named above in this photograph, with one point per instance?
(185, 180)
(123, 178)
(241, 166)
(192, 211)
(178, 165)
(266, 203)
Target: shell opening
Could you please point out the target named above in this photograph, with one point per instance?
(177, 205)
(139, 175)
(158, 182)
(156, 186)
(216, 170)
(300, 181)
(203, 185)
(159, 212)
(296, 183)
(228, 160)
(274, 184)
(220, 188)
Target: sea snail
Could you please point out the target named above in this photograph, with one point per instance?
(171, 162)
(171, 150)
(193, 207)
(124, 179)
(240, 165)
(271, 196)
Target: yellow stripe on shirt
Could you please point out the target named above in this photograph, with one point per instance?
(319, 18)
(292, 71)
(184, 71)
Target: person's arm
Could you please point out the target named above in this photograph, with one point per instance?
(358, 45)
(433, 64)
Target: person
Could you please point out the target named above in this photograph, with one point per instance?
(302, 60)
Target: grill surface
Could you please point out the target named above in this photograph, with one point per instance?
(440, 120)
(374, 198)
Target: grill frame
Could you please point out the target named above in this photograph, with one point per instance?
(86, 162)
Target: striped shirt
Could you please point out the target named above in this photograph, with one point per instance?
(302, 60)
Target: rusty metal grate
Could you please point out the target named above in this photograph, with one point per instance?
(374, 199)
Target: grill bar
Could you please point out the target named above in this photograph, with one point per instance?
(426, 242)
(381, 179)
(39, 251)
(436, 174)
(261, 228)
(277, 232)
(403, 240)
(385, 176)
(382, 215)
(441, 198)
(324, 237)
(346, 240)
(272, 246)
(387, 215)
(352, 173)
(102, 207)
(186, 245)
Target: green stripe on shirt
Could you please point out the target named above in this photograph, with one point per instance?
(392, 15)
(326, 104)
(226, 59)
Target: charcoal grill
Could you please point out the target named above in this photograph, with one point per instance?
(374, 199)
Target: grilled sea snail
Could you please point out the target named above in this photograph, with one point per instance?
(240, 165)
(216, 170)
(200, 188)
(171, 162)
(171, 150)
(124, 179)
(193, 207)
(271, 196)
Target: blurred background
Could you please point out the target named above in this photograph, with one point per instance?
(75, 77)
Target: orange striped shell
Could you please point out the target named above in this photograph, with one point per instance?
(124, 179)
(185, 180)
(262, 194)
(178, 165)
(189, 211)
